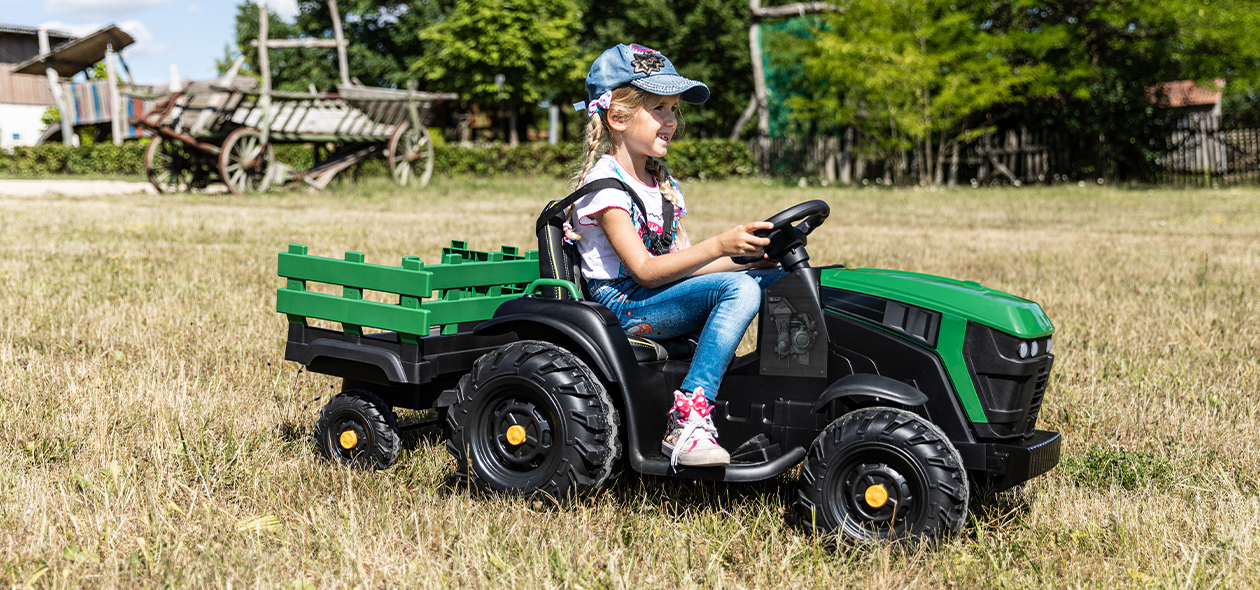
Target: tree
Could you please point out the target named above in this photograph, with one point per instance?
(512, 52)
(706, 39)
(909, 74)
(383, 37)
(1108, 56)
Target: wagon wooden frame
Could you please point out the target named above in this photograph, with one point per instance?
(226, 129)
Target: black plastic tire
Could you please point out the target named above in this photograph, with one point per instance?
(566, 418)
(918, 471)
(357, 429)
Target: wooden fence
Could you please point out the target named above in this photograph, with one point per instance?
(1198, 151)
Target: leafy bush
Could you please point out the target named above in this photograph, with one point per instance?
(703, 158)
(529, 159)
(709, 159)
(55, 158)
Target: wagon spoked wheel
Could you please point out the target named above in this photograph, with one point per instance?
(245, 162)
(410, 154)
(169, 165)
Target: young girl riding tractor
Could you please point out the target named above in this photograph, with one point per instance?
(658, 284)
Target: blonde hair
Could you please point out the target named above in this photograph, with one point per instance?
(625, 103)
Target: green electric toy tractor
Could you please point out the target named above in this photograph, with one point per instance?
(899, 394)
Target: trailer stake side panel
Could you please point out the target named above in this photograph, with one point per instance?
(467, 286)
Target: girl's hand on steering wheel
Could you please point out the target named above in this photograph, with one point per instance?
(740, 241)
(764, 263)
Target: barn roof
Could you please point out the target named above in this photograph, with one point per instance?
(76, 55)
(1185, 93)
(20, 30)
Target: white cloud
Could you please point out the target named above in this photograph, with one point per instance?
(194, 8)
(285, 9)
(144, 45)
(99, 9)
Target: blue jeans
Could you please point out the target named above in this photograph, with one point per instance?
(716, 306)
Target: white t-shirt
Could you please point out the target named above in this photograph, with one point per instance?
(599, 261)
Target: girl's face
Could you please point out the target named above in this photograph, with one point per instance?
(649, 131)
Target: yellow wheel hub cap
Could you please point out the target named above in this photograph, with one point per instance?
(349, 439)
(876, 496)
(516, 434)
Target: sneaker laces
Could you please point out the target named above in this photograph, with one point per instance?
(686, 407)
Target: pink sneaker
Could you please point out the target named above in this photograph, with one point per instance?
(690, 436)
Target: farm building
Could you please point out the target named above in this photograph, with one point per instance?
(23, 97)
(1198, 142)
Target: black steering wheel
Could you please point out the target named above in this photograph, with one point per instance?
(787, 242)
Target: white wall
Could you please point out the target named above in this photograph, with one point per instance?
(21, 120)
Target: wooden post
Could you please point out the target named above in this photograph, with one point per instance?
(54, 84)
(342, 65)
(553, 124)
(759, 93)
(755, 14)
(115, 99)
(264, 68)
(846, 157)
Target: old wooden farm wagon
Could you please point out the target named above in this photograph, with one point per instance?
(225, 129)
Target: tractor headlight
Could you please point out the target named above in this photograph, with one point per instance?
(1049, 342)
(1023, 350)
(1034, 348)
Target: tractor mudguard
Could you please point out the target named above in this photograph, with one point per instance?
(867, 388)
(590, 328)
(325, 351)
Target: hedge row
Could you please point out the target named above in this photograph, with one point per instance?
(704, 158)
(55, 158)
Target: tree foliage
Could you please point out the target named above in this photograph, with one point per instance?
(706, 39)
(384, 40)
(528, 45)
(911, 72)
(907, 73)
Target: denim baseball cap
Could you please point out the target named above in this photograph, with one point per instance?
(643, 67)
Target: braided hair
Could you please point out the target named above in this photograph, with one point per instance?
(599, 140)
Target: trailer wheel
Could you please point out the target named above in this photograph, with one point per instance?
(532, 419)
(880, 474)
(245, 162)
(357, 429)
(410, 155)
(169, 165)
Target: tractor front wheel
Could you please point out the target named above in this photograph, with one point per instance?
(532, 419)
(883, 474)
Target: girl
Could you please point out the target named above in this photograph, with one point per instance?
(636, 259)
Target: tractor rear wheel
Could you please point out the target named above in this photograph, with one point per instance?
(532, 419)
(357, 429)
(883, 474)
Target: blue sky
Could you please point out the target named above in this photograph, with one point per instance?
(189, 33)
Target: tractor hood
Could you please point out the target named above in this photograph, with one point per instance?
(967, 299)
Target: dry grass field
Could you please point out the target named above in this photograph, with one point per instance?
(151, 434)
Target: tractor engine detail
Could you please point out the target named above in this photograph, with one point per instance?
(795, 331)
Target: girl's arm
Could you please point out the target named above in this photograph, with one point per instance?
(725, 264)
(652, 272)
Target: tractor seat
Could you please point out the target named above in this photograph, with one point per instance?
(646, 351)
(559, 259)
